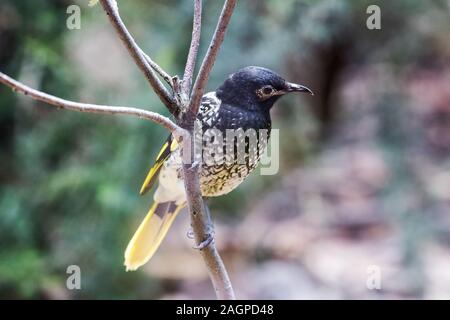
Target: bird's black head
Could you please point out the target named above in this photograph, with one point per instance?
(256, 88)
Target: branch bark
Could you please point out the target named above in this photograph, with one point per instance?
(193, 50)
(111, 9)
(87, 107)
(204, 234)
(211, 55)
(200, 218)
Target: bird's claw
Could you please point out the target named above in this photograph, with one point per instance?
(202, 245)
(209, 239)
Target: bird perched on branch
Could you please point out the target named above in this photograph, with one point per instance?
(230, 119)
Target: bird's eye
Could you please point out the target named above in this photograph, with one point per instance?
(267, 90)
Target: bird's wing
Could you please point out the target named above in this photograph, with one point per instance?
(170, 145)
(208, 113)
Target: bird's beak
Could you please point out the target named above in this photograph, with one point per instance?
(293, 87)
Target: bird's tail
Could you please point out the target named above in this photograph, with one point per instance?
(150, 233)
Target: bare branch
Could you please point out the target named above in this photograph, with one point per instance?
(85, 107)
(193, 50)
(211, 54)
(111, 9)
(202, 227)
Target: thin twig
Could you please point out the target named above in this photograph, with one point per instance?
(158, 69)
(111, 9)
(86, 107)
(211, 55)
(193, 50)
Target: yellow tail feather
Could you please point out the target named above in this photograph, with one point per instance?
(150, 234)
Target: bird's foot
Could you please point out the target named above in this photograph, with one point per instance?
(202, 245)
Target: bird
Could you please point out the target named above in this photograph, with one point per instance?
(241, 103)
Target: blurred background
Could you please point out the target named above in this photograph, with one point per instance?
(364, 180)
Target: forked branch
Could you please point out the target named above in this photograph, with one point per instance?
(111, 9)
(200, 218)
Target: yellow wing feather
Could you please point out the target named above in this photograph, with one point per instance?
(168, 147)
